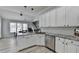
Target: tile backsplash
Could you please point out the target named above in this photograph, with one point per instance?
(62, 30)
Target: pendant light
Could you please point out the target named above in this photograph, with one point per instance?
(21, 14)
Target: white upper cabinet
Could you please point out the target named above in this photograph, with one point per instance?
(48, 19)
(63, 16)
(72, 16)
(41, 21)
(52, 18)
(39, 18)
(60, 16)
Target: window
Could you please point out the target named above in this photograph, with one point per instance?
(12, 27)
(25, 27)
(19, 28)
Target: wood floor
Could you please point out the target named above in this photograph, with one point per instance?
(36, 49)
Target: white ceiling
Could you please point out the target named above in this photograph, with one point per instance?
(13, 12)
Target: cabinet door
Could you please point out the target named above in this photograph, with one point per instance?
(59, 45)
(38, 39)
(52, 18)
(76, 43)
(44, 20)
(41, 21)
(60, 17)
(69, 46)
(72, 16)
(40, 24)
(77, 48)
(47, 20)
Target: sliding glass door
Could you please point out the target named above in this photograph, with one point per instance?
(18, 28)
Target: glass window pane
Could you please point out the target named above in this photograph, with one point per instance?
(25, 27)
(12, 27)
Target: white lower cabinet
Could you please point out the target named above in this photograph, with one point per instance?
(38, 39)
(77, 49)
(76, 43)
(69, 46)
(30, 40)
(59, 48)
(65, 46)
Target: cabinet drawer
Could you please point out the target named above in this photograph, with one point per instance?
(76, 43)
(71, 42)
(60, 39)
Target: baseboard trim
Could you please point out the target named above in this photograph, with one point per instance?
(51, 49)
(35, 46)
(27, 48)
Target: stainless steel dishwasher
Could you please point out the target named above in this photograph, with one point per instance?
(50, 42)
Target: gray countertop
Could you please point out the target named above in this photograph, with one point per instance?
(71, 37)
(28, 34)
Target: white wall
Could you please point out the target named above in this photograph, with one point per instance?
(5, 28)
